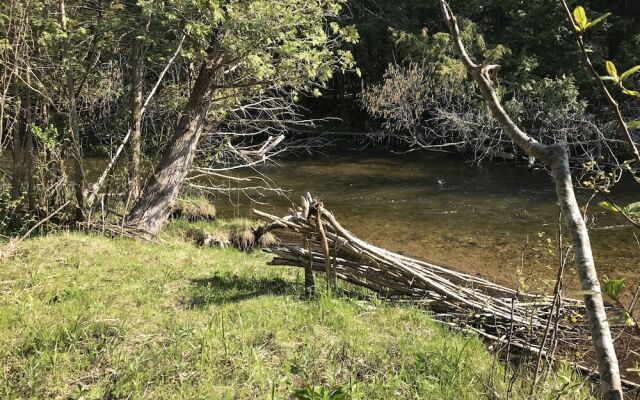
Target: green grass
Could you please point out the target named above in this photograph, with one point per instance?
(96, 318)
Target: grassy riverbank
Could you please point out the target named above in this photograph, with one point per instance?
(97, 318)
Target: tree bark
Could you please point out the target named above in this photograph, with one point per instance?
(556, 158)
(344, 110)
(17, 152)
(137, 75)
(74, 125)
(153, 206)
(137, 70)
(29, 153)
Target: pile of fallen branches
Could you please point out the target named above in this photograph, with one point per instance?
(519, 322)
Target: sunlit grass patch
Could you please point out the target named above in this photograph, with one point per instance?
(86, 316)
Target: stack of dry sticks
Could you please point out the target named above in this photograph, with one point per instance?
(518, 322)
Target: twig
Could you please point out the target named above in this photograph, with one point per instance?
(613, 104)
(10, 248)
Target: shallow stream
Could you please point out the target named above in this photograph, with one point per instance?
(499, 221)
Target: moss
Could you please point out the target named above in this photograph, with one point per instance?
(194, 209)
(85, 316)
(239, 233)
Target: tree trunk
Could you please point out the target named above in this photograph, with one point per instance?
(95, 189)
(29, 153)
(74, 125)
(556, 159)
(344, 110)
(585, 265)
(137, 70)
(154, 204)
(17, 153)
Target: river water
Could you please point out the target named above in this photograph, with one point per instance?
(498, 221)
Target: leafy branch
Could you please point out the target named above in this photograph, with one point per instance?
(581, 24)
(614, 288)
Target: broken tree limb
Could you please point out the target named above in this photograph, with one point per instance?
(325, 248)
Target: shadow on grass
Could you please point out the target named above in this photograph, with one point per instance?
(233, 288)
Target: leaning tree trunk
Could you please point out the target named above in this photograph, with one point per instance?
(556, 159)
(153, 206)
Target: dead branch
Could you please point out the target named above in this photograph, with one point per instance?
(462, 301)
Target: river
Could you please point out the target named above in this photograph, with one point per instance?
(498, 221)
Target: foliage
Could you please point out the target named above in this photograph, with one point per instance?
(62, 58)
(432, 103)
(632, 209)
(583, 23)
(318, 392)
(613, 287)
(618, 80)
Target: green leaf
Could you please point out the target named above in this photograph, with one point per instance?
(580, 16)
(117, 7)
(5, 45)
(612, 70)
(613, 287)
(597, 20)
(630, 71)
(341, 392)
(628, 320)
(633, 93)
(632, 208)
(608, 206)
(633, 124)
